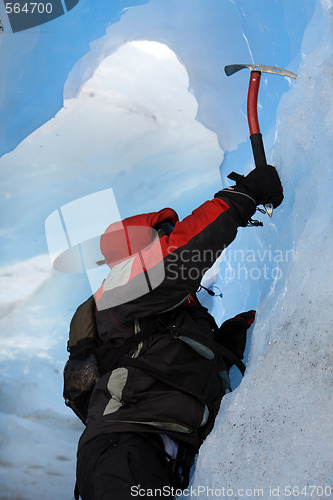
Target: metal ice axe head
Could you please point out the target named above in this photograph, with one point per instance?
(252, 111)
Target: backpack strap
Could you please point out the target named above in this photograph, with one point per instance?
(108, 356)
(160, 375)
(211, 344)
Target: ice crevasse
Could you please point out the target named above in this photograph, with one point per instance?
(274, 432)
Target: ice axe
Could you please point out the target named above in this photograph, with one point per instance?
(252, 113)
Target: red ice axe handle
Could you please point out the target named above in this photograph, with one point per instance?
(252, 117)
(255, 134)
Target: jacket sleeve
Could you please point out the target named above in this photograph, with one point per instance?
(175, 271)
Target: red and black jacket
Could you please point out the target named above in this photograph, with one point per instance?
(167, 383)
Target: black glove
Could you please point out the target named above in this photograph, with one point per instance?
(240, 322)
(232, 333)
(263, 185)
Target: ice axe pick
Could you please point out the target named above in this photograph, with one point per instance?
(252, 112)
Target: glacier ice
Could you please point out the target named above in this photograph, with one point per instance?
(274, 430)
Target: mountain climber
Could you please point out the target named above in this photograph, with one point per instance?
(148, 365)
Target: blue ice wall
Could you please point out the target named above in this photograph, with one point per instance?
(269, 426)
(35, 63)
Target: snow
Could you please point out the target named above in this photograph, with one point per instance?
(128, 123)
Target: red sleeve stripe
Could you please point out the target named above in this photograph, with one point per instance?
(184, 231)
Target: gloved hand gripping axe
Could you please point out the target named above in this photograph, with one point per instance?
(252, 114)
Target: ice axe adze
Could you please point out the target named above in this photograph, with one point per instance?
(252, 114)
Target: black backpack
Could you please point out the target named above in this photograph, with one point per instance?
(90, 358)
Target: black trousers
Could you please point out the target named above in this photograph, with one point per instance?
(117, 466)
